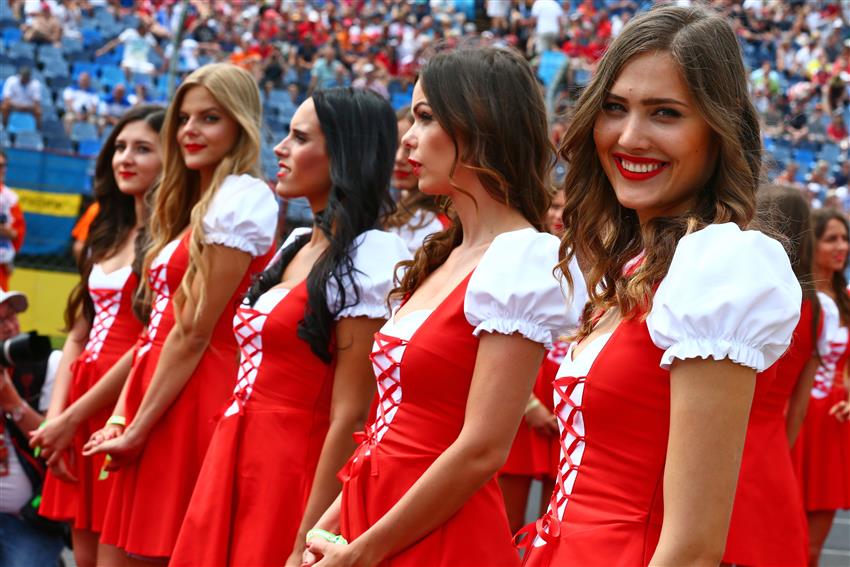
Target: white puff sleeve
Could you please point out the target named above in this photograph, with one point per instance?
(242, 215)
(728, 294)
(514, 289)
(831, 323)
(375, 255)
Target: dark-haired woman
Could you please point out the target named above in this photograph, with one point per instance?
(823, 447)
(686, 304)
(768, 525)
(417, 214)
(305, 330)
(456, 362)
(102, 326)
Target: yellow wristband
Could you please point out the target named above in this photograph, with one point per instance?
(117, 420)
(327, 536)
(533, 402)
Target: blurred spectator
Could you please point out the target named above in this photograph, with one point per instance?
(113, 106)
(12, 225)
(326, 70)
(81, 229)
(546, 15)
(43, 27)
(21, 93)
(371, 80)
(837, 130)
(139, 95)
(842, 175)
(69, 14)
(24, 397)
(797, 127)
(498, 11)
(81, 102)
(138, 42)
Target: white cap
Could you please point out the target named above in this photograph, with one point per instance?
(16, 299)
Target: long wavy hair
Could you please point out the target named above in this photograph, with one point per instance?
(784, 208)
(486, 99)
(414, 200)
(179, 201)
(838, 285)
(602, 234)
(115, 220)
(360, 140)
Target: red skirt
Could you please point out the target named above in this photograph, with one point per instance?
(83, 503)
(822, 455)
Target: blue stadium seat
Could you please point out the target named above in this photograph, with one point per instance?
(91, 37)
(59, 144)
(55, 68)
(29, 140)
(5, 140)
(111, 75)
(399, 100)
(71, 45)
(21, 122)
(52, 127)
(20, 48)
(830, 153)
(89, 147)
(550, 64)
(83, 131)
(11, 35)
(6, 70)
(58, 84)
(78, 67)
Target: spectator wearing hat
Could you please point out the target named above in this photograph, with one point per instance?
(43, 27)
(25, 389)
(21, 93)
(12, 226)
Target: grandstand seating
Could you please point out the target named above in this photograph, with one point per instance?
(29, 140)
(21, 122)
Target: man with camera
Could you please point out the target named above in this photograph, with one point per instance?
(26, 378)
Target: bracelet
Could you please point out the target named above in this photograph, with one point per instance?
(326, 535)
(16, 414)
(533, 402)
(119, 420)
(37, 451)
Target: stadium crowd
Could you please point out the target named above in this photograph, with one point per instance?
(71, 68)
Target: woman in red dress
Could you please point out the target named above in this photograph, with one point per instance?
(456, 362)
(271, 467)
(823, 447)
(535, 450)
(102, 326)
(686, 305)
(768, 525)
(212, 229)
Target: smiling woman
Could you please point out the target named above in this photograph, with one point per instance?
(686, 304)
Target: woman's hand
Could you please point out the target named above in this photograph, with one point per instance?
(296, 558)
(122, 449)
(541, 419)
(54, 437)
(329, 554)
(107, 432)
(841, 410)
(60, 468)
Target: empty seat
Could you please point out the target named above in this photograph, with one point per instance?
(59, 144)
(89, 147)
(83, 131)
(29, 140)
(11, 35)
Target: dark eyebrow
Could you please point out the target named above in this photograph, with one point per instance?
(298, 131)
(420, 103)
(649, 101)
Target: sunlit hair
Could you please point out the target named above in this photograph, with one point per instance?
(115, 220)
(179, 202)
(414, 200)
(838, 285)
(489, 104)
(603, 234)
(784, 208)
(360, 141)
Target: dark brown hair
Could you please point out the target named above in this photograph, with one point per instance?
(114, 221)
(838, 285)
(486, 99)
(603, 234)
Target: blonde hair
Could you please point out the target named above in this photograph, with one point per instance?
(179, 202)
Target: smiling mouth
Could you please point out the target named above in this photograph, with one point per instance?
(192, 148)
(639, 169)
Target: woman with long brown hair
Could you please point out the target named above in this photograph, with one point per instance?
(102, 327)
(456, 362)
(823, 446)
(212, 228)
(686, 305)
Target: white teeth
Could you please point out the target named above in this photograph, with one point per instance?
(640, 167)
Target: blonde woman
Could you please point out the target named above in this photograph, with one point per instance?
(212, 228)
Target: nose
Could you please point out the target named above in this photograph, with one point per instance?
(409, 140)
(124, 155)
(633, 133)
(282, 149)
(402, 153)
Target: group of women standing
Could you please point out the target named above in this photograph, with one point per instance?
(210, 387)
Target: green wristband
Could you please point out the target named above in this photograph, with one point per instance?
(119, 420)
(326, 535)
(37, 451)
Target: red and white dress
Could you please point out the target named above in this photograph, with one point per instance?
(728, 294)
(114, 330)
(822, 451)
(424, 364)
(768, 525)
(150, 496)
(256, 478)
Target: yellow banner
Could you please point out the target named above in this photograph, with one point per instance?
(53, 204)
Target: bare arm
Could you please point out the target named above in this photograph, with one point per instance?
(183, 348)
(74, 346)
(799, 402)
(353, 390)
(709, 409)
(501, 384)
(110, 45)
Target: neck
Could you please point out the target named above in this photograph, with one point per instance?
(317, 237)
(484, 218)
(205, 175)
(140, 207)
(823, 280)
